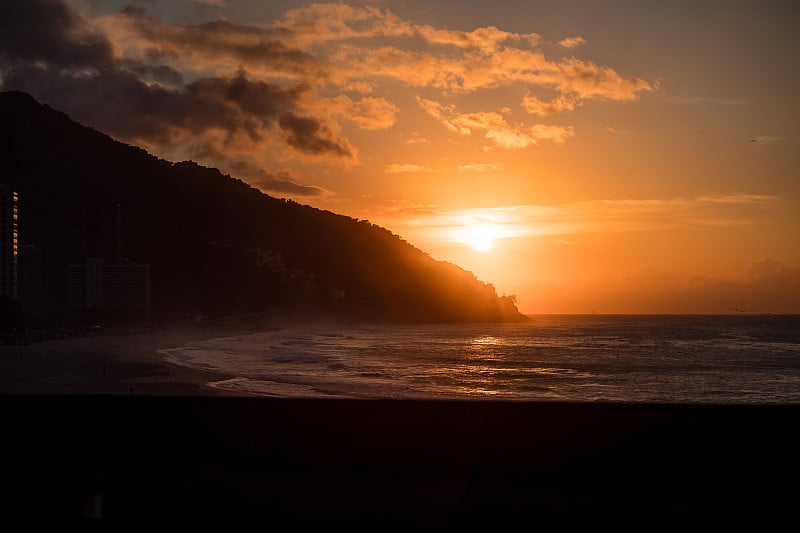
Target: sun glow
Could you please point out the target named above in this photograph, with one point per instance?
(481, 238)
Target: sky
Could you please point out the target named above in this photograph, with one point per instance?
(584, 156)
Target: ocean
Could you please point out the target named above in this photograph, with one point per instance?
(724, 359)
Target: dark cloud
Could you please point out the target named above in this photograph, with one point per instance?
(50, 31)
(248, 44)
(121, 104)
(160, 73)
(772, 271)
(134, 11)
(255, 98)
(284, 183)
(49, 50)
(252, 173)
(770, 286)
(310, 136)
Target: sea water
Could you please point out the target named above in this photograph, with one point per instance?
(729, 359)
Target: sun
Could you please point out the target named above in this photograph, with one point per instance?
(481, 239)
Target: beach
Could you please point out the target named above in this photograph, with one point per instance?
(102, 433)
(118, 362)
(98, 365)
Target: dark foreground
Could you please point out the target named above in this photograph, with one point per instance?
(240, 464)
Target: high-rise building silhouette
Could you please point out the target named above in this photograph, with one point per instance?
(105, 280)
(30, 277)
(9, 241)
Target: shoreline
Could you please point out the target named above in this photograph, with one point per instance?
(122, 364)
(119, 361)
(127, 361)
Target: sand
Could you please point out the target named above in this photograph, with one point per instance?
(128, 362)
(113, 363)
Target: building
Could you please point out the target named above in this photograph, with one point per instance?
(30, 277)
(106, 281)
(9, 241)
(95, 284)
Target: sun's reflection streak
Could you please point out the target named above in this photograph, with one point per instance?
(485, 348)
(487, 340)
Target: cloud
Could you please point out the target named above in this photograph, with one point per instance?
(470, 71)
(286, 88)
(372, 113)
(732, 199)
(651, 290)
(370, 42)
(211, 46)
(571, 42)
(317, 25)
(508, 138)
(623, 215)
(400, 168)
(368, 112)
(599, 216)
(416, 138)
(557, 134)
(51, 51)
(310, 136)
(450, 225)
(494, 126)
(768, 287)
(588, 80)
(479, 167)
(560, 104)
(282, 182)
(486, 39)
(121, 104)
(50, 31)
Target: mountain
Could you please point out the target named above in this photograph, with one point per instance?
(215, 245)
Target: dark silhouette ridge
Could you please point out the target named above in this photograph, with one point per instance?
(216, 245)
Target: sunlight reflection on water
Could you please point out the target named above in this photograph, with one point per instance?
(618, 359)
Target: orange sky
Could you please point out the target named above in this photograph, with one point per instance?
(619, 157)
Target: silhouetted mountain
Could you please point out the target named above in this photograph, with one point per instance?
(215, 244)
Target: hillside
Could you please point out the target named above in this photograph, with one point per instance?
(215, 244)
